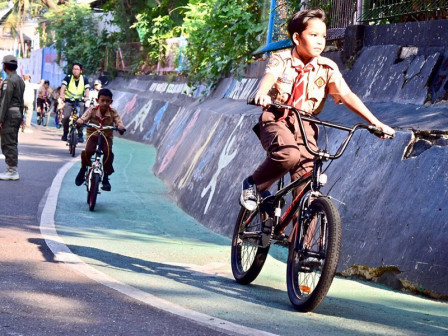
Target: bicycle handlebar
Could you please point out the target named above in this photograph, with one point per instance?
(99, 127)
(323, 154)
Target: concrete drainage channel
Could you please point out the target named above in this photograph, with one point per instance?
(389, 277)
(424, 140)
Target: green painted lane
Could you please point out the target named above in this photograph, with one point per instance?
(138, 236)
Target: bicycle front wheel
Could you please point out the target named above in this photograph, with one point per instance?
(247, 257)
(314, 255)
(73, 141)
(94, 183)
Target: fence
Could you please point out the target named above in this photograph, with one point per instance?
(340, 14)
(389, 11)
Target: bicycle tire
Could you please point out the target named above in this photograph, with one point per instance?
(309, 284)
(73, 141)
(94, 183)
(39, 119)
(247, 257)
(44, 119)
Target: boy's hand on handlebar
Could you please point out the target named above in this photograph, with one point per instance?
(263, 100)
(387, 132)
(121, 131)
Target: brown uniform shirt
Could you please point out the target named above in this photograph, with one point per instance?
(93, 116)
(43, 93)
(324, 79)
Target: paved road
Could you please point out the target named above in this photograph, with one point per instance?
(42, 296)
(139, 265)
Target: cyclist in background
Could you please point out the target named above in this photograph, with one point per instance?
(93, 94)
(43, 95)
(74, 90)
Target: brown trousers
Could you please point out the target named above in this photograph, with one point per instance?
(286, 151)
(108, 156)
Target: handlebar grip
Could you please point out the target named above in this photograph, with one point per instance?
(375, 130)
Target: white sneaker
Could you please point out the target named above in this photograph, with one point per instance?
(249, 198)
(9, 174)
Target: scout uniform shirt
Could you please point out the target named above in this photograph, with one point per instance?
(44, 93)
(110, 118)
(325, 78)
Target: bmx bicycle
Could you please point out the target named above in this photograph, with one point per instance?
(94, 174)
(72, 137)
(314, 243)
(42, 115)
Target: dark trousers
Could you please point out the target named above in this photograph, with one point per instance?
(108, 156)
(285, 149)
(68, 111)
(10, 136)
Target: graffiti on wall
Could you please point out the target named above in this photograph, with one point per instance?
(224, 159)
(139, 118)
(196, 157)
(173, 149)
(156, 125)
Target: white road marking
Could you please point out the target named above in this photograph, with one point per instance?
(63, 253)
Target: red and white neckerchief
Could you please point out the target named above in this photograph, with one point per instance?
(100, 118)
(298, 89)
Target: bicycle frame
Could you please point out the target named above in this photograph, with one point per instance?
(311, 181)
(96, 161)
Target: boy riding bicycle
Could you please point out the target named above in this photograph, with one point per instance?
(43, 96)
(103, 115)
(302, 78)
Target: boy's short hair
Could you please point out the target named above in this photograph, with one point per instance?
(299, 20)
(78, 64)
(105, 92)
(47, 82)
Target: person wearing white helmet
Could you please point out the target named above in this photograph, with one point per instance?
(93, 94)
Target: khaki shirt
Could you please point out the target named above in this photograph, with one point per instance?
(93, 116)
(44, 93)
(324, 79)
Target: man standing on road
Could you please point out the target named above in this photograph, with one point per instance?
(74, 92)
(11, 115)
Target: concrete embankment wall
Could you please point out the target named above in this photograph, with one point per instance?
(392, 194)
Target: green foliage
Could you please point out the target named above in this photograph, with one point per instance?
(72, 30)
(126, 13)
(153, 33)
(221, 36)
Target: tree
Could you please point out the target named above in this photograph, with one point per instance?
(21, 10)
(71, 29)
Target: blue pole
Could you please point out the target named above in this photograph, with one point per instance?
(43, 64)
(271, 21)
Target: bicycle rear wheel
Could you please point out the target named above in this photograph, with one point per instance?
(94, 182)
(314, 255)
(247, 257)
